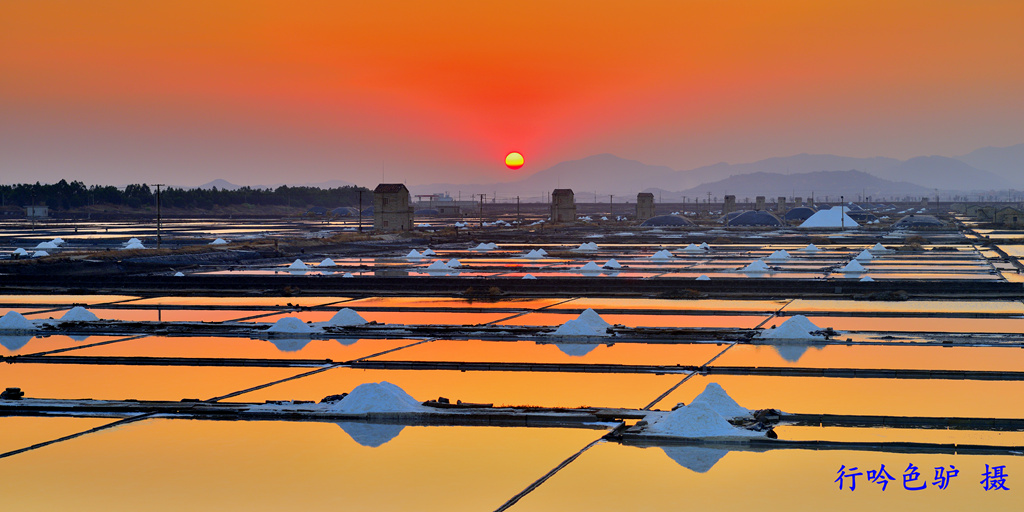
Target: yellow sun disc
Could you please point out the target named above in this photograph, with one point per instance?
(514, 160)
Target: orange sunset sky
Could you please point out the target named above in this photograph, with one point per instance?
(256, 92)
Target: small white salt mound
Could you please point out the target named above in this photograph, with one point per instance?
(864, 255)
(692, 248)
(586, 247)
(867, 279)
(835, 217)
(298, 265)
(529, 276)
(797, 327)
(454, 263)
(590, 267)
(542, 252)
(716, 397)
(179, 274)
(46, 245)
(327, 262)
(413, 255)
(781, 254)
(612, 264)
(58, 241)
(490, 246)
(756, 266)
(695, 420)
(20, 252)
(533, 255)
(40, 254)
(377, 397)
(134, 245)
(423, 225)
(853, 267)
(604, 218)
(703, 277)
(133, 240)
(348, 274)
(290, 324)
(344, 317)
(878, 249)
(438, 265)
(429, 252)
(705, 246)
(14, 321)
(79, 314)
(460, 224)
(810, 248)
(219, 241)
(662, 255)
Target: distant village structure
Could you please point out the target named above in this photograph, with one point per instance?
(563, 205)
(729, 205)
(644, 206)
(392, 210)
(37, 212)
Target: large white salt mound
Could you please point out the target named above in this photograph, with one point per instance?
(589, 323)
(702, 277)
(327, 262)
(756, 266)
(438, 265)
(298, 265)
(346, 316)
(810, 248)
(377, 397)
(864, 256)
(413, 255)
(797, 327)
(14, 321)
(219, 241)
(692, 248)
(58, 241)
(592, 318)
(429, 252)
(20, 252)
(529, 276)
(853, 267)
(454, 263)
(290, 324)
(134, 245)
(40, 254)
(695, 420)
(490, 246)
(542, 252)
(46, 245)
(612, 264)
(835, 217)
(662, 255)
(133, 240)
(781, 254)
(590, 267)
(716, 397)
(79, 314)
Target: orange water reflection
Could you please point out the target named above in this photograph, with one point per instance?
(18, 344)
(721, 321)
(907, 435)
(876, 356)
(956, 325)
(400, 317)
(274, 348)
(530, 352)
(24, 431)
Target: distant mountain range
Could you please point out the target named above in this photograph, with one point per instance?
(227, 185)
(854, 185)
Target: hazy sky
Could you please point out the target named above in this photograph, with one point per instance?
(307, 91)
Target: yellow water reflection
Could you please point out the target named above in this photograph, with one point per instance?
(592, 352)
(719, 321)
(876, 356)
(903, 435)
(808, 306)
(239, 301)
(24, 431)
(273, 348)
(954, 325)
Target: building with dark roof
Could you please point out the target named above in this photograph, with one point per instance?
(392, 209)
(644, 206)
(754, 218)
(666, 220)
(563, 205)
(919, 221)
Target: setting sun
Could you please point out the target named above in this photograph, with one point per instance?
(514, 160)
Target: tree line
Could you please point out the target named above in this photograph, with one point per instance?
(65, 196)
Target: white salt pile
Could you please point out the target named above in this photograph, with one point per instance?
(529, 276)
(703, 277)
(413, 255)
(298, 265)
(797, 327)
(692, 248)
(348, 274)
(327, 262)
(429, 252)
(586, 247)
(867, 279)
(219, 241)
(695, 420)
(79, 314)
(542, 252)
(133, 240)
(705, 246)
(589, 323)
(612, 264)
(662, 255)
(853, 267)
(716, 398)
(756, 266)
(46, 245)
(377, 397)
(290, 324)
(534, 254)
(460, 224)
(864, 256)
(40, 254)
(14, 321)
(438, 265)
(781, 254)
(345, 317)
(835, 217)
(454, 263)
(590, 267)
(179, 274)
(878, 248)
(490, 246)
(20, 252)
(134, 245)
(58, 241)
(810, 248)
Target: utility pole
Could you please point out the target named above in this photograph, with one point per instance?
(158, 234)
(709, 203)
(519, 218)
(482, 197)
(360, 210)
(842, 213)
(611, 206)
